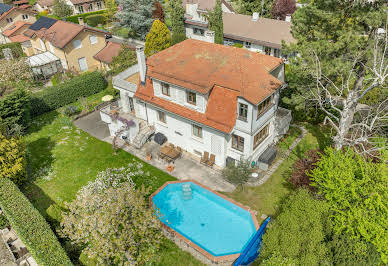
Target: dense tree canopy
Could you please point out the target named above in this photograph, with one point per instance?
(125, 59)
(282, 8)
(247, 7)
(298, 232)
(340, 62)
(114, 220)
(158, 39)
(110, 9)
(13, 73)
(136, 15)
(176, 14)
(357, 192)
(61, 9)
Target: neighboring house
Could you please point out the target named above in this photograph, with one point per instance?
(207, 97)
(42, 5)
(84, 6)
(75, 45)
(257, 34)
(15, 33)
(252, 32)
(196, 24)
(111, 50)
(10, 15)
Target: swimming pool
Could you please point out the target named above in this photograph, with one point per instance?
(210, 220)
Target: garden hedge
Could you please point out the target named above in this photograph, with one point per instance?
(68, 92)
(16, 49)
(74, 18)
(30, 226)
(15, 109)
(94, 20)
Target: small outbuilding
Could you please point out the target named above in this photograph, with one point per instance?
(44, 65)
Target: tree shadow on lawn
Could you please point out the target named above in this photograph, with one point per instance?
(38, 122)
(321, 133)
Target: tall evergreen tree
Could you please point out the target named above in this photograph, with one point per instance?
(176, 14)
(158, 39)
(110, 9)
(137, 15)
(334, 72)
(216, 23)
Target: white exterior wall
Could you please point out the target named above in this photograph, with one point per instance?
(190, 33)
(178, 96)
(178, 131)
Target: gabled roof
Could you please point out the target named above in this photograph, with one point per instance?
(264, 31)
(107, 53)
(19, 38)
(206, 5)
(14, 28)
(199, 66)
(60, 33)
(4, 8)
(4, 14)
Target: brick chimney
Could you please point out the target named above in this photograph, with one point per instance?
(141, 61)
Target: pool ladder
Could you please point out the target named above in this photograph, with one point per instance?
(187, 191)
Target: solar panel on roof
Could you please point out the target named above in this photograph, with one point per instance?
(43, 22)
(4, 8)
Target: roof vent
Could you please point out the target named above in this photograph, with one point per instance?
(255, 16)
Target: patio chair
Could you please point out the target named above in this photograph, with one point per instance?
(205, 158)
(211, 160)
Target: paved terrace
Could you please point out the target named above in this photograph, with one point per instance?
(186, 167)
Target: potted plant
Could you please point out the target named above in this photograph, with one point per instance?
(148, 155)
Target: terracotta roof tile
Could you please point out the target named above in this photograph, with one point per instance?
(111, 50)
(214, 117)
(199, 66)
(14, 28)
(19, 38)
(206, 4)
(48, 3)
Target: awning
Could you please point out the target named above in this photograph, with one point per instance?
(42, 59)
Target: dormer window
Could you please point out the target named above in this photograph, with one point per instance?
(264, 106)
(243, 112)
(165, 89)
(77, 44)
(191, 98)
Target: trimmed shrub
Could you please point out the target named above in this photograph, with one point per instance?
(16, 49)
(15, 109)
(3, 221)
(30, 226)
(94, 20)
(68, 92)
(238, 45)
(74, 18)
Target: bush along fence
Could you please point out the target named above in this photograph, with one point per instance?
(68, 92)
(74, 18)
(30, 226)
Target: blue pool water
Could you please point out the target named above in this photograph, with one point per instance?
(213, 223)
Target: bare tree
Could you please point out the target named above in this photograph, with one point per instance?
(357, 125)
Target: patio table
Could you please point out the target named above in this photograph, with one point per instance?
(169, 152)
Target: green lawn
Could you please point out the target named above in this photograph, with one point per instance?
(62, 159)
(267, 198)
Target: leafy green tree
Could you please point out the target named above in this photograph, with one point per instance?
(114, 220)
(12, 159)
(176, 13)
(110, 9)
(15, 110)
(298, 232)
(13, 74)
(61, 9)
(125, 59)
(216, 23)
(357, 192)
(278, 260)
(137, 15)
(239, 173)
(247, 7)
(158, 39)
(340, 62)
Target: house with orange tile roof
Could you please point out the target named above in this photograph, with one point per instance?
(10, 15)
(75, 45)
(14, 33)
(208, 98)
(84, 6)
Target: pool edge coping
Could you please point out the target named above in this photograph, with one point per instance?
(209, 256)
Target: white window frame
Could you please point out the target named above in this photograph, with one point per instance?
(93, 39)
(199, 131)
(75, 42)
(86, 63)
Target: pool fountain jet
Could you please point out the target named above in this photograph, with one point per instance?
(187, 191)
